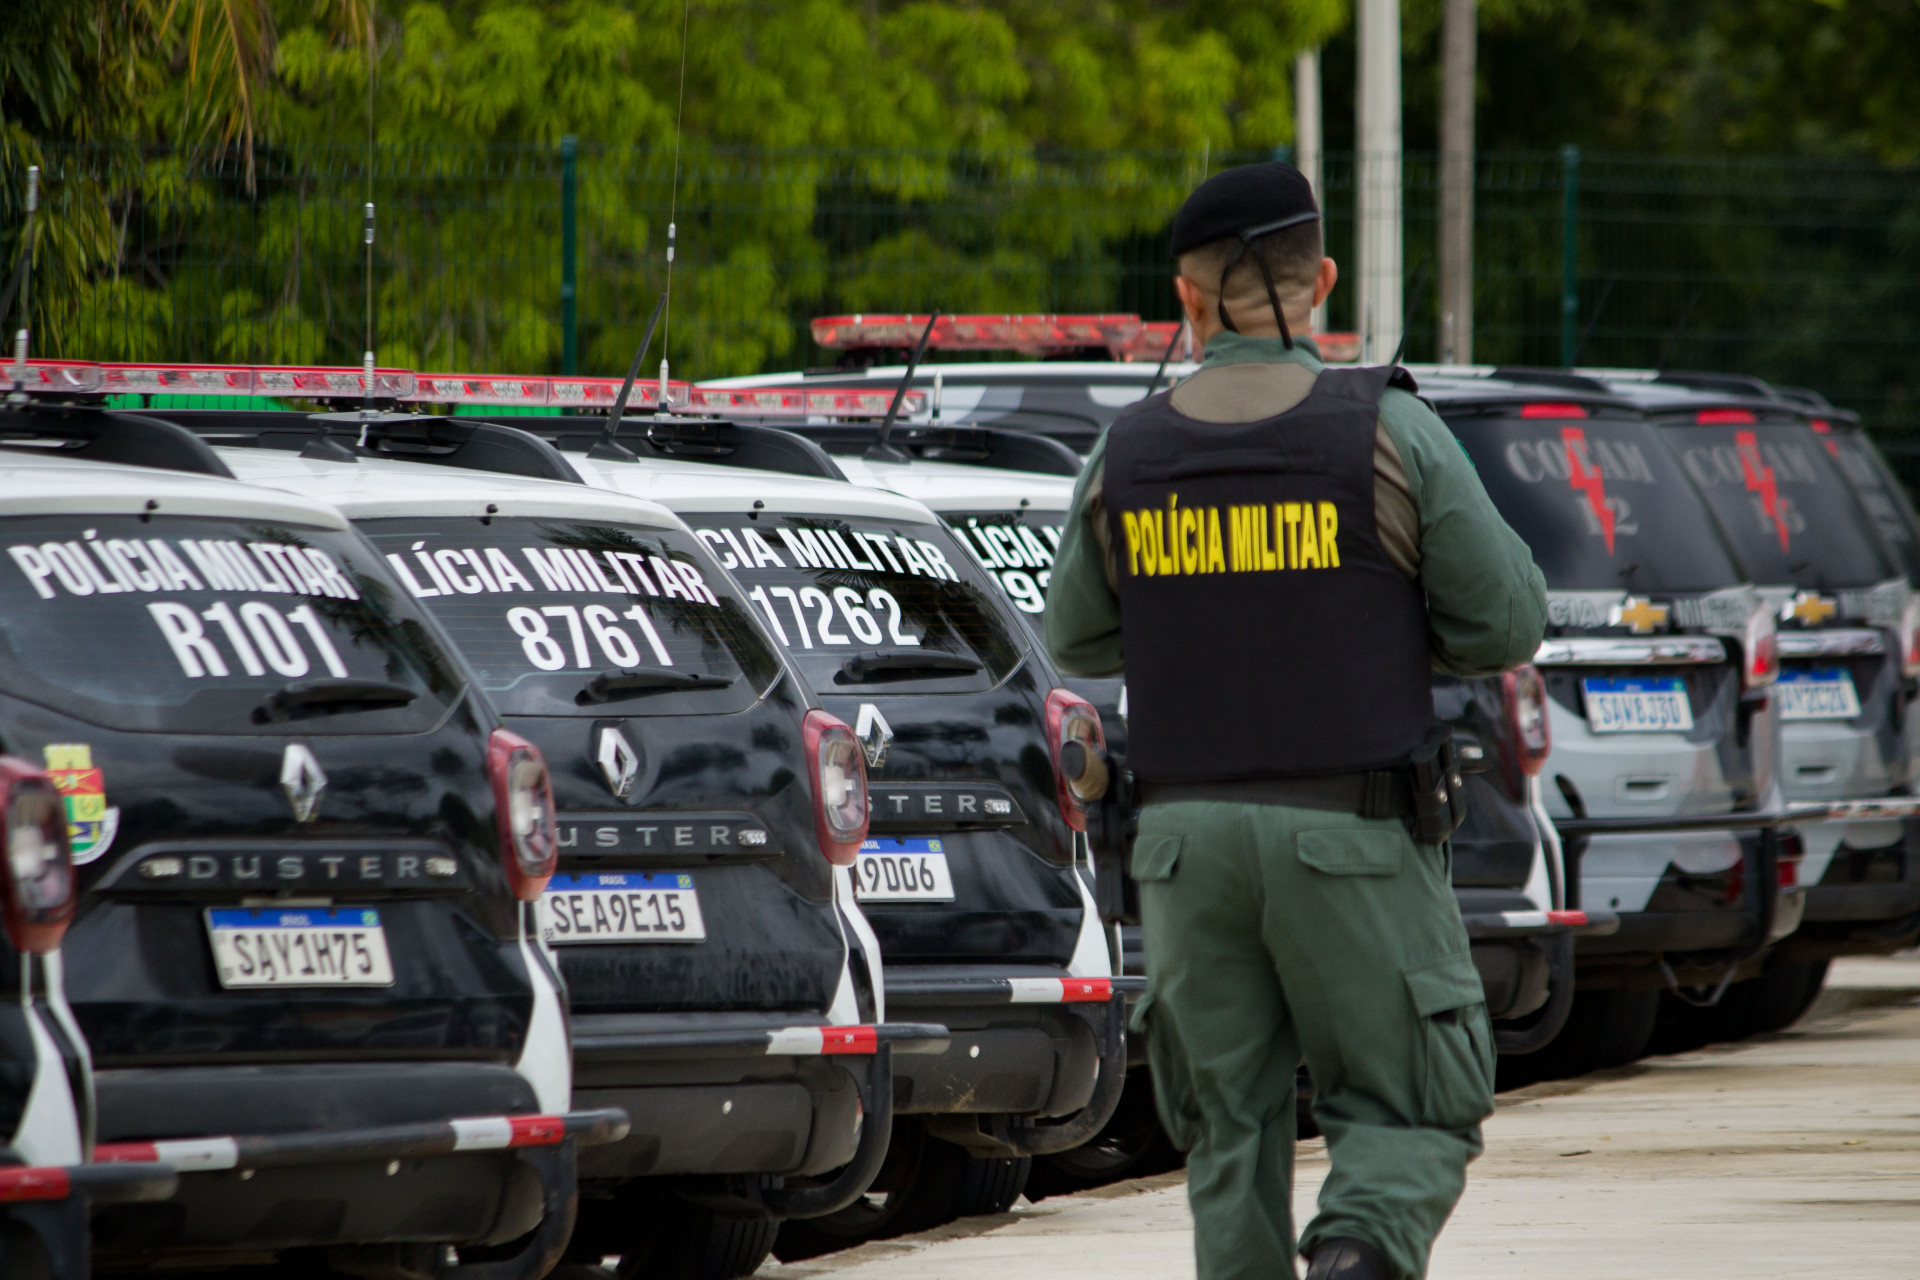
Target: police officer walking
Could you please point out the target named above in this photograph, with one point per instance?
(1280, 554)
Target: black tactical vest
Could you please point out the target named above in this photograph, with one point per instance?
(1266, 632)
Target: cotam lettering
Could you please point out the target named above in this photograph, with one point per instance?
(1249, 538)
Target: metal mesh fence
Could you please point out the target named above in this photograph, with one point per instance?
(1804, 272)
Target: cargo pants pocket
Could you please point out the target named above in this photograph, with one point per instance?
(1455, 1042)
(1155, 856)
(1353, 851)
(1173, 1094)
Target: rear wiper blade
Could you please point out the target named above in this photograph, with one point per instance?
(631, 682)
(334, 697)
(876, 662)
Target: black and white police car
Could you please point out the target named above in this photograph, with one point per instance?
(304, 960)
(723, 982)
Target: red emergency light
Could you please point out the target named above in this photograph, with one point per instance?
(1126, 337)
(1724, 417)
(1545, 410)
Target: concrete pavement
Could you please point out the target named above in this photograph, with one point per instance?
(1797, 1155)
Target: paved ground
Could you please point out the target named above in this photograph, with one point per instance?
(1796, 1156)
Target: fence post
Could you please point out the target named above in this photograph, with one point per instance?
(1569, 252)
(569, 253)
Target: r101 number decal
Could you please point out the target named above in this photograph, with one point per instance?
(862, 616)
(258, 636)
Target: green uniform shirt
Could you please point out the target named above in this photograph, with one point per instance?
(1486, 599)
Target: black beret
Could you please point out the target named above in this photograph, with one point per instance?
(1254, 198)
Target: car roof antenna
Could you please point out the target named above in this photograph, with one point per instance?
(1673, 334)
(880, 450)
(322, 446)
(24, 277)
(1419, 296)
(606, 447)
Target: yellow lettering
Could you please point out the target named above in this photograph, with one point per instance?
(1237, 533)
(1132, 523)
(1170, 547)
(1157, 542)
(1291, 514)
(1309, 543)
(1189, 541)
(1270, 558)
(1329, 532)
(1215, 561)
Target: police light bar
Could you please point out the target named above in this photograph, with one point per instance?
(177, 379)
(1032, 334)
(798, 402)
(318, 382)
(52, 377)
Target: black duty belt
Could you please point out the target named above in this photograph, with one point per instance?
(1379, 793)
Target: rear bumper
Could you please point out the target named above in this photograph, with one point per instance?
(366, 1155)
(1025, 1043)
(735, 1094)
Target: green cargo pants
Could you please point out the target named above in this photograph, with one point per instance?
(1275, 934)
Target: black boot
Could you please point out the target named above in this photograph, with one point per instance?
(1344, 1258)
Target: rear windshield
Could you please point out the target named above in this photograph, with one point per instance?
(1880, 494)
(1018, 549)
(560, 617)
(1599, 502)
(1781, 501)
(205, 625)
(863, 603)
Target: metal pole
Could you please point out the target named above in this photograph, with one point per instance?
(1378, 204)
(1569, 252)
(1309, 138)
(569, 255)
(1457, 80)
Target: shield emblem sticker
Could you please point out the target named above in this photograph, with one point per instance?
(91, 821)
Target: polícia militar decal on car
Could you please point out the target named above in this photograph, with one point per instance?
(185, 623)
(1018, 549)
(575, 618)
(867, 602)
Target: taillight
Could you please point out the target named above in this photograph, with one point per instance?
(1760, 654)
(523, 803)
(1528, 737)
(1079, 745)
(839, 786)
(1910, 636)
(38, 869)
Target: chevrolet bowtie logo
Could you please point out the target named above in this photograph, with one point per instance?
(1809, 609)
(1639, 616)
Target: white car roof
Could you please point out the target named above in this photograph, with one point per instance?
(706, 487)
(375, 487)
(33, 484)
(956, 486)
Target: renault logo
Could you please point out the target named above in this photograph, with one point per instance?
(619, 762)
(874, 733)
(303, 780)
